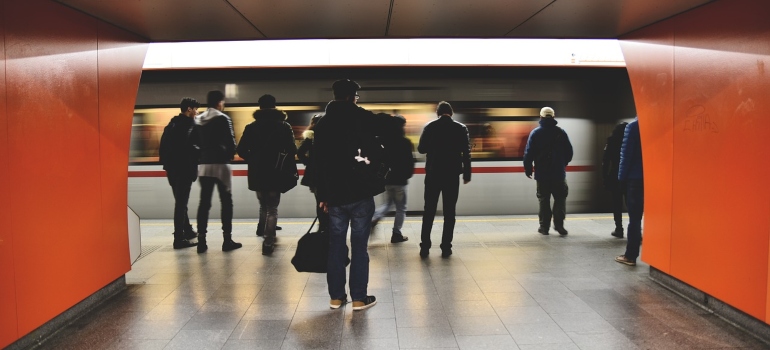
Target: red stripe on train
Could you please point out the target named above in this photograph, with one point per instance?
(476, 170)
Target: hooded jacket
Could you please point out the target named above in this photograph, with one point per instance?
(262, 141)
(217, 140)
(344, 129)
(179, 147)
(550, 149)
(631, 154)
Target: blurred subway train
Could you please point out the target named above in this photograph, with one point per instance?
(499, 105)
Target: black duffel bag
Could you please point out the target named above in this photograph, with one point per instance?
(312, 253)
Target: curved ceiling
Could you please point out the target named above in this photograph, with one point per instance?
(219, 20)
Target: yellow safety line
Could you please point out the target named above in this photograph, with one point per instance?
(408, 221)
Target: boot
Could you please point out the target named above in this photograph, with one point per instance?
(180, 242)
(202, 247)
(424, 250)
(229, 244)
(397, 237)
(268, 246)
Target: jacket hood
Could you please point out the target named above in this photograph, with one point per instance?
(308, 134)
(340, 107)
(548, 122)
(205, 117)
(270, 114)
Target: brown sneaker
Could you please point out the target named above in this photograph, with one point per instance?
(337, 303)
(368, 302)
(625, 261)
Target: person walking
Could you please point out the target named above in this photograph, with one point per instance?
(448, 154)
(347, 159)
(549, 148)
(631, 173)
(179, 155)
(305, 155)
(400, 157)
(268, 136)
(217, 150)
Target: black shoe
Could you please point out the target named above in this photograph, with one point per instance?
(617, 233)
(562, 231)
(445, 253)
(278, 228)
(183, 243)
(260, 233)
(424, 251)
(543, 230)
(188, 235)
(267, 249)
(202, 247)
(398, 238)
(229, 245)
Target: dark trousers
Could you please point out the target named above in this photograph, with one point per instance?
(635, 203)
(618, 193)
(323, 218)
(180, 186)
(268, 213)
(449, 189)
(226, 199)
(559, 190)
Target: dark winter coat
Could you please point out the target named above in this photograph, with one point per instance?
(267, 136)
(611, 157)
(343, 130)
(549, 148)
(304, 154)
(399, 157)
(179, 150)
(217, 140)
(631, 154)
(448, 148)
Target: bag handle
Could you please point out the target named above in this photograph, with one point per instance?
(311, 225)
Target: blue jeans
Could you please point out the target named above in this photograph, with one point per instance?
(394, 194)
(358, 216)
(635, 204)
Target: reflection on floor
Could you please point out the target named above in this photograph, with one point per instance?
(505, 287)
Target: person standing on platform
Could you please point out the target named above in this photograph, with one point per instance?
(447, 147)
(179, 155)
(400, 157)
(631, 173)
(217, 150)
(549, 148)
(610, 165)
(305, 155)
(260, 144)
(345, 150)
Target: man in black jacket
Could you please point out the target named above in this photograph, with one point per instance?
(610, 166)
(400, 158)
(347, 154)
(448, 150)
(217, 150)
(179, 156)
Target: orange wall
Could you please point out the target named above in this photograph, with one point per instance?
(70, 85)
(701, 82)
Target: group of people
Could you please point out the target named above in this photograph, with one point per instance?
(351, 155)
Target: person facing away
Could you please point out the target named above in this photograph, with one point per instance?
(550, 149)
(610, 165)
(631, 174)
(400, 157)
(344, 144)
(179, 156)
(217, 150)
(267, 136)
(305, 155)
(446, 144)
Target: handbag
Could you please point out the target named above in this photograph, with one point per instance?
(286, 172)
(312, 253)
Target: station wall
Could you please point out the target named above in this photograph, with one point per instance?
(68, 85)
(701, 82)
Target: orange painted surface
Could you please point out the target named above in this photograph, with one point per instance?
(70, 87)
(649, 57)
(8, 324)
(720, 232)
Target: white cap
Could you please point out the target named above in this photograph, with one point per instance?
(547, 112)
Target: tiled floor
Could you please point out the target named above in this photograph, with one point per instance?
(505, 287)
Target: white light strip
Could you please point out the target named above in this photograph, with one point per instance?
(385, 52)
